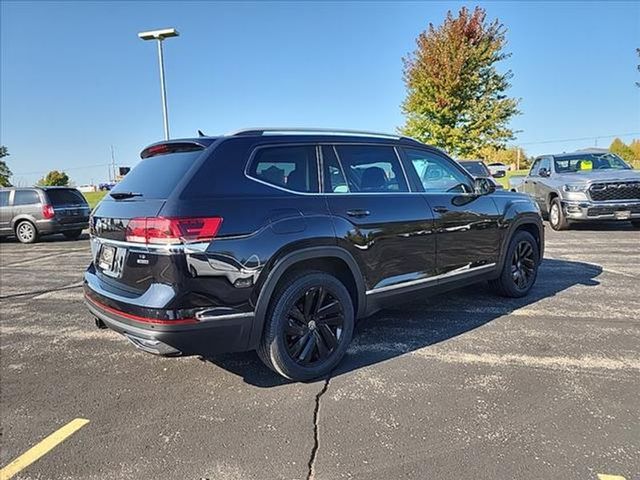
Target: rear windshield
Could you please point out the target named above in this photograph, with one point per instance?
(156, 177)
(65, 197)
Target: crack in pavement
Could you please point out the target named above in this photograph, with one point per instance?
(316, 440)
(40, 292)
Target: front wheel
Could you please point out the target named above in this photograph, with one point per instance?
(520, 268)
(557, 218)
(308, 327)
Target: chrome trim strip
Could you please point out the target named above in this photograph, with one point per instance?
(411, 283)
(230, 316)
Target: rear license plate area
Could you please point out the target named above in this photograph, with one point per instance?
(110, 260)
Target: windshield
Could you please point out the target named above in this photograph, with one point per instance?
(477, 169)
(589, 161)
(156, 177)
(58, 196)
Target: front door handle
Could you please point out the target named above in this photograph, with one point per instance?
(358, 212)
(440, 209)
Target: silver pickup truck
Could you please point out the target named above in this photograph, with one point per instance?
(582, 186)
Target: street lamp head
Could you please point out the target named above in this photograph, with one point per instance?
(159, 34)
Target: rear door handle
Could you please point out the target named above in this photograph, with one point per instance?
(440, 209)
(358, 212)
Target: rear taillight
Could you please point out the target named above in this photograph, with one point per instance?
(161, 230)
(48, 212)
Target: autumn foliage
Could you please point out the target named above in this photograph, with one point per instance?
(455, 95)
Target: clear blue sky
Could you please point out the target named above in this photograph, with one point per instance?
(75, 78)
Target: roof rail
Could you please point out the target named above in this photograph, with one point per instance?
(285, 131)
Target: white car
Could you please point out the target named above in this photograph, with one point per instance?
(498, 169)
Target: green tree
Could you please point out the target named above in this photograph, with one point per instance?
(5, 171)
(621, 149)
(455, 95)
(508, 156)
(54, 179)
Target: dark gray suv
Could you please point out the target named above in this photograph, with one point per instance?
(30, 212)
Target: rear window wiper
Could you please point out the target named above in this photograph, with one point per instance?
(123, 195)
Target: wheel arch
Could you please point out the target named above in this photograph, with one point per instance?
(530, 223)
(20, 218)
(333, 260)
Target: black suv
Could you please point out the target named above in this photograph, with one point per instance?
(279, 240)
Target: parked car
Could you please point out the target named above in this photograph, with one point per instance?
(277, 241)
(584, 186)
(31, 212)
(478, 169)
(498, 169)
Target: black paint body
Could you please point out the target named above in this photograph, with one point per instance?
(406, 242)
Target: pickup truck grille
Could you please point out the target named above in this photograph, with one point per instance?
(602, 192)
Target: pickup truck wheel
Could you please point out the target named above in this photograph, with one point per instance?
(26, 232)
(520, 267)
(308, 328)
(635, 223)
(557, 219)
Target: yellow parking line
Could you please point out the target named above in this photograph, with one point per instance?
(42, 448)
(604, 476)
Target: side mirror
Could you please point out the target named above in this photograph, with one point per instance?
(483, 186)
(543, 172)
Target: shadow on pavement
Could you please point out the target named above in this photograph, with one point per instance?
(399, 330)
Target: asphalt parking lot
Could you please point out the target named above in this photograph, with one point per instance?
(463, 386)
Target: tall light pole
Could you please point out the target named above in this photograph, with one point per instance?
(159, 36)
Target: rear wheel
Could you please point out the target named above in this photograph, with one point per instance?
(520, 267)
(635, 223)
(308, 328)
(72, 234)
(26, 232)
(557, 218)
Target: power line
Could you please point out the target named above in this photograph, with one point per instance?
(595, 137)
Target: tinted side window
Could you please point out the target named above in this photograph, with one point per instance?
(372, 168)
(4, 199)
(544, 163)
(334, 181)
(437, 174)
(535, 167)
(26, 197)
(294, 167)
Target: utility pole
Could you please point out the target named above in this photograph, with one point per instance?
(113, 166)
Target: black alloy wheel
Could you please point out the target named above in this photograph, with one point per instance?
(523, 265)
(308, 327)
(314, 326)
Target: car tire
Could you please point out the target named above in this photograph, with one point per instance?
(557, 218)
(72, 234)
(635, 223)
(520, 268)
(26, 232)
(293, 344)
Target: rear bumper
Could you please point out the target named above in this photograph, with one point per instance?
(205, 336)
(587, 210)
(54, 226)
